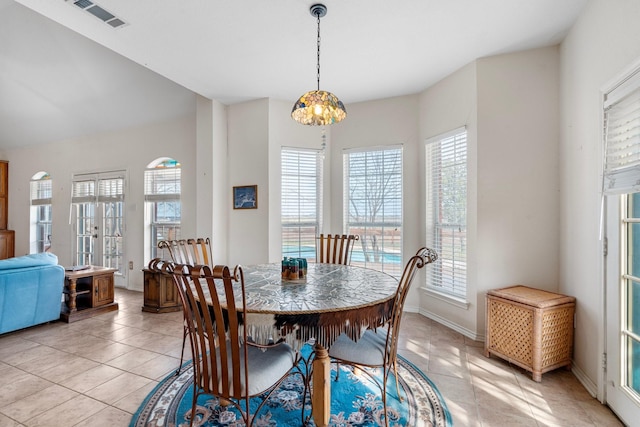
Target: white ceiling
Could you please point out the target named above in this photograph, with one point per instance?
(64, 73)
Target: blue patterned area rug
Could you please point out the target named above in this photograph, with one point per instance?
(355, 401)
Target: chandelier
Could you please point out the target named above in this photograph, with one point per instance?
(318, 107)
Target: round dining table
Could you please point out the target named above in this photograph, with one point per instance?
(333, 299)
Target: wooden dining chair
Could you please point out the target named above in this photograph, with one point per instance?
(188, 252)
(335, 249)
(226, 363)
(378, 348)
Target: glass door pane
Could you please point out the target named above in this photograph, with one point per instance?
(85, 233)
(43, 228)
(631, 299)
(112, 236)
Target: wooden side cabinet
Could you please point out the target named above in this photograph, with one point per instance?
(7, 244)
(160, 293)
(4, 194)
(7, 237)
(87, 293)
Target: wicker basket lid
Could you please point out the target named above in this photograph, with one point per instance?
(531, 296)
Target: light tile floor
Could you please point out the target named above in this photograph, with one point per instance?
(97, 371)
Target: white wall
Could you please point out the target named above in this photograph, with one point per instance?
(129, 150)
(602, 43)
(518, 177)
(248, 145)
(447, 105)
(212, 187)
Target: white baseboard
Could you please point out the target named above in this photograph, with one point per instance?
(591, 387)
(464, 331)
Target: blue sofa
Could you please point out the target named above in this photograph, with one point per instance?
(30, 291)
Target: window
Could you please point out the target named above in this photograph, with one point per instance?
(98, 206)
(40, 216)
(446, 211)
(162, 186)
(373, 207)
(301, 201)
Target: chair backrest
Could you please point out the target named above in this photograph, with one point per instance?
(423, 257)
(189, 251)
(218, 342)
(336, 249)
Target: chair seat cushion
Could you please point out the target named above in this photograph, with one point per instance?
(369, 350)
(266, 367)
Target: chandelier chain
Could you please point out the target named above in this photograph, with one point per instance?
(318, 66)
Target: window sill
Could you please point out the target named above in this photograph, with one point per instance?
(449, 299)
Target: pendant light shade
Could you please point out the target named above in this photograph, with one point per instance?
(318, 107)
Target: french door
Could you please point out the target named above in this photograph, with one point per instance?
(98, 222)
(622, 284)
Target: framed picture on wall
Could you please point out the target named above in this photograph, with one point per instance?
(245, 197)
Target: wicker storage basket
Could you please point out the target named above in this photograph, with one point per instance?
(530, 328)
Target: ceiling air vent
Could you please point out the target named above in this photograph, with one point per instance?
(83, 3)
(99, 12)
(115, 23)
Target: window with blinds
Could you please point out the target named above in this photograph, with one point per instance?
(96, 189)
(40, 213)
(373, 207)
(301, 201)
(98, 204)
(446, 211)
(622, 138)
(163, 216)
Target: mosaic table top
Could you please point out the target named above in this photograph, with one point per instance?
(329, 287)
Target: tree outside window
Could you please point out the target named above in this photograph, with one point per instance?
(373, 205)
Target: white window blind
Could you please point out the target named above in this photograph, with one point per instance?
(373, 207)
(111, 190)
(83, 191)
(41, 190)
(107, 187)
(301, 201)
(446, 211)
(622, 138)
(163, 182)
